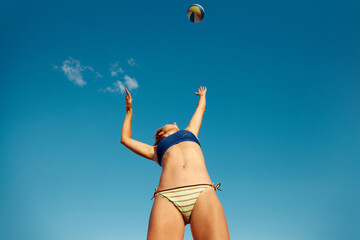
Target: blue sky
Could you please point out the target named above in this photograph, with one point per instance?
(280, 132)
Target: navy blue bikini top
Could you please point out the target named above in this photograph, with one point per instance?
(177, 137)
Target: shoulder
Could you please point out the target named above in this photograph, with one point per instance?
(192, 131)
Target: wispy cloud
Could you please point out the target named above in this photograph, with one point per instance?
(118, 86)
(131, 82)
(72, 69)
(115, 69)
(131, 62)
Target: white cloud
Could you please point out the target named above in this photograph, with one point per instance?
(131, 82)
(72, 69)
(131, 62)
(118, 86)
(115, 69)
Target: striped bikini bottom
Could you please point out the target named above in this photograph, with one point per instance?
(184, 198)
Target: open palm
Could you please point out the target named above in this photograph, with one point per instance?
(202, 91)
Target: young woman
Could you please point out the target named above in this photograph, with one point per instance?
(185, 194)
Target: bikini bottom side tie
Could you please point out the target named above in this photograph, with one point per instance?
(184, 198)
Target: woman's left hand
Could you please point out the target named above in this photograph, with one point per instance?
(202, 91)
(128, 100)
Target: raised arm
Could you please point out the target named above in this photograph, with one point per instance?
(142, 149)
(195, 122)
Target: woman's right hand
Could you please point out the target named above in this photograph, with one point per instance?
(202, 91)
(128, 100)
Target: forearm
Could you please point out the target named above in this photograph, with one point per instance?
(126, 129)
(202, 102)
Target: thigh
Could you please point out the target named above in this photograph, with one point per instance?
(165, 222)
(208, 219)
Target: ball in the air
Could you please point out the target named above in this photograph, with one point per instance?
(195, 13)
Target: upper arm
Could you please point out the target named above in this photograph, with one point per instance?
(195, 122)
(142, 149)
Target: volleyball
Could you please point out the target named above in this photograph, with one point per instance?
(195, 13)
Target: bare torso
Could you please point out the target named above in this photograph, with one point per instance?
(183, 164)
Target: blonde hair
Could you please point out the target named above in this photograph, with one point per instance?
(156, 136)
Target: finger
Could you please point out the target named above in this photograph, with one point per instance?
(127, 91)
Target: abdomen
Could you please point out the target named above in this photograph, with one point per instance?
(183, 164)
